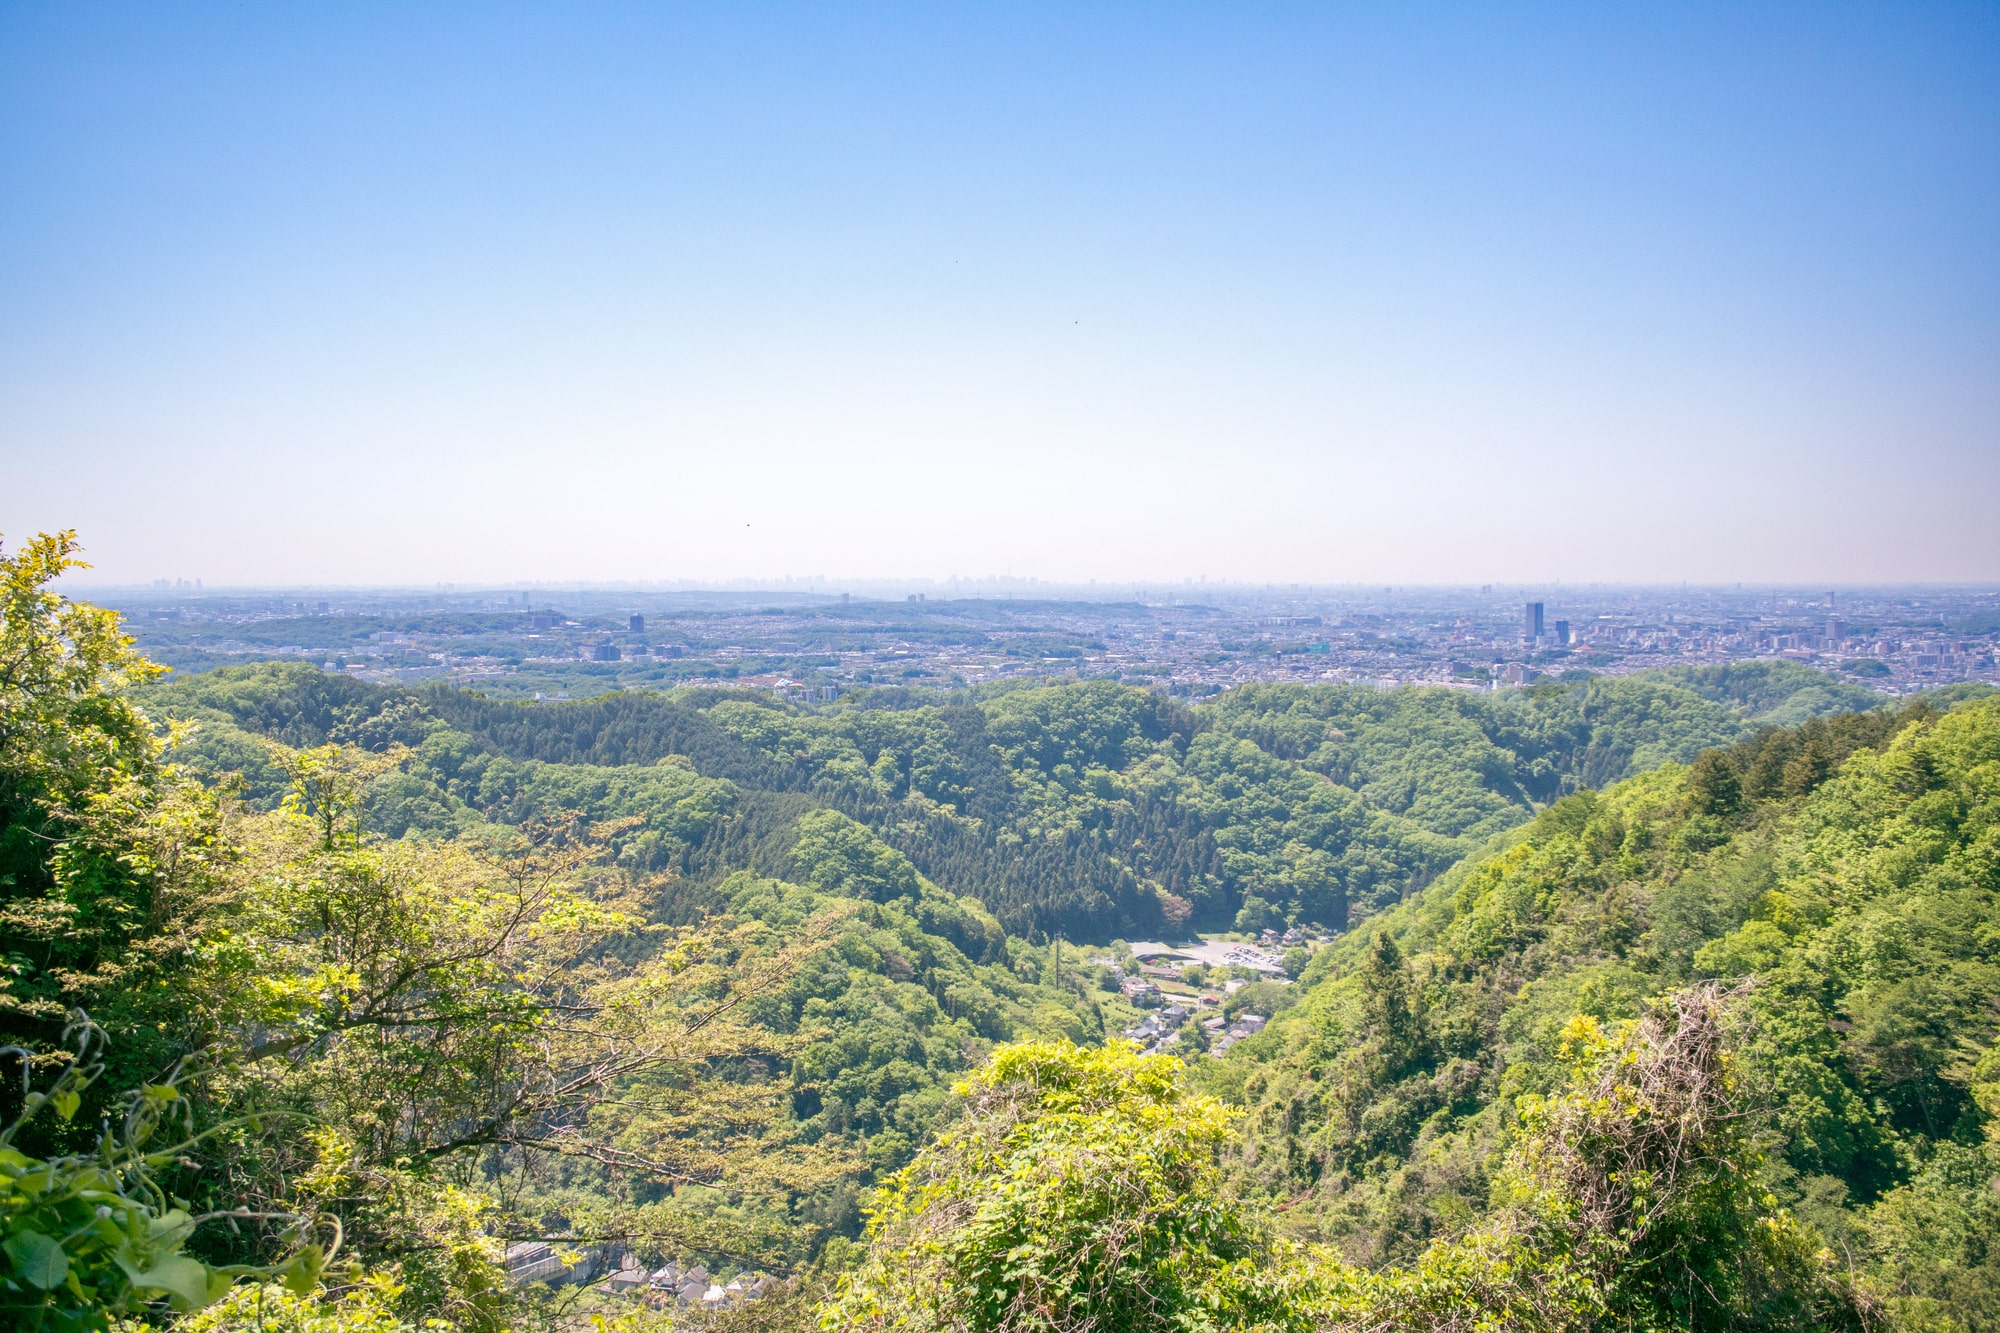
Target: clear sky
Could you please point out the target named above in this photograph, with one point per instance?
(394, 293)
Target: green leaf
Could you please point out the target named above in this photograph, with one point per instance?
(66, 1103)
(170, 1226)
(185, 1279)
(37, 1258)
(303, 1272)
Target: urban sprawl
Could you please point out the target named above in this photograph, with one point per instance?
(814, 644)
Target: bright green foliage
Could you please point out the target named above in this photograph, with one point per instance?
(1091, 810)
(1641, 1176)
(1098, 809)
(840, 856)
(686, 972)
(390, 1036)
(1848, 867)
(1875, 937)
(919, 987)
(1935, 1243)
(92, 1236)
(252, 1308)
(65, 734)
(916, 987)
(1629, 1199)
(1285, 835)
(1080, 1192)
(428, 1007)
(108, 860)
(1773, 694)
(428, 1240)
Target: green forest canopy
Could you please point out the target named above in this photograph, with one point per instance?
(1088, 810)
(687, 974)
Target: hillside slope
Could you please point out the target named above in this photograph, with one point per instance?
(973, 830)
(1090, 810)
(1848, 869)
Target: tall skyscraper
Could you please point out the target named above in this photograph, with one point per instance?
(1531, 622)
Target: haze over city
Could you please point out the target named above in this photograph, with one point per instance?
(1382, 293)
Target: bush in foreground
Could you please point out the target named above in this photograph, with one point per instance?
(1081, 1194)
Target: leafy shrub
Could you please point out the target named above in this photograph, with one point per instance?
(1079, 1192)
(90, 1237)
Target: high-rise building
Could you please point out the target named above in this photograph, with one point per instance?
(1531, 621)
(1562, 633)
(637, 624)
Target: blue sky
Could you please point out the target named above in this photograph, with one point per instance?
(392, 293)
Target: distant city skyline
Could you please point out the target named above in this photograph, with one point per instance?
(829, 585)
(1295, 294)
(552, 643)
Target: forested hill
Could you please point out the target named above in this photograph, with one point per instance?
(683, 978)
(1088, 810)
(1847, 872)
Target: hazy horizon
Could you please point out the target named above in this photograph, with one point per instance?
(828, 585)
(1388, 295)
